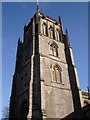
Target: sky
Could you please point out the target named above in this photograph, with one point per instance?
(0, 59)
(16, 15)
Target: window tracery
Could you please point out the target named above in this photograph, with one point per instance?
(57, 77)
(54, 49)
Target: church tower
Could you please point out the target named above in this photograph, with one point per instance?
(45, 82)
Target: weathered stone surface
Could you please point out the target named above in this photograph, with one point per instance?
(45, 83)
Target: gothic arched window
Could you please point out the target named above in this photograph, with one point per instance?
(57, 35)
(51, 32)
(57, 73)
(45, 32)
(54, 49)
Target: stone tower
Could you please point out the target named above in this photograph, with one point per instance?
(45, 82)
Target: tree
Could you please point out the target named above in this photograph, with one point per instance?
(5, 113)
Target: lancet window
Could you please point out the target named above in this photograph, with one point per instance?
(44, 26)
(51, 32)
(57, 35)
